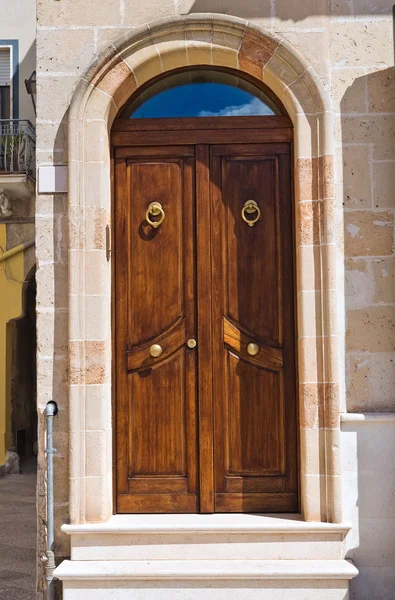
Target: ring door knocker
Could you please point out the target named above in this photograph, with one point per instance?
(250, 207)
(154, 210)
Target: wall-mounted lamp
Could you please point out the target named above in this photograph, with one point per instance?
(31, 88)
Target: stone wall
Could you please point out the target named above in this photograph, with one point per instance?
(350, 46)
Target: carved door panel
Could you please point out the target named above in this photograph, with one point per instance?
(253, 329)
(155, 315)
(212, 426)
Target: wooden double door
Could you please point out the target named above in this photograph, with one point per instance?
(204, 352)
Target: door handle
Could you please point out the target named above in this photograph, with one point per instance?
(192, 343)
(155, 209)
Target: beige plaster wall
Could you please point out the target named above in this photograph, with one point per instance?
(349, 44)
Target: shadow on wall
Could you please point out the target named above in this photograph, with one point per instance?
(284, 10)
(367, 135)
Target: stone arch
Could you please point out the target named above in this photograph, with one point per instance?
(135, 58)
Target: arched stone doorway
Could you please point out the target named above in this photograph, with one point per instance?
(230, 43)
(203, 298)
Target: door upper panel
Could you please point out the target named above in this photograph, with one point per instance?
(157, 258)
(251, 283)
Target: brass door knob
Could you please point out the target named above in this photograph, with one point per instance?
(191, 343)
(155, 350)
(253, 349)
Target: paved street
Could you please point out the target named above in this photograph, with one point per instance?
(18, 535)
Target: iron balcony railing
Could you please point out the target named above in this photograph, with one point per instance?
(17, 147)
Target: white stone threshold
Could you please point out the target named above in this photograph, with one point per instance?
(367, 417)
(216, 523)
(205, 569)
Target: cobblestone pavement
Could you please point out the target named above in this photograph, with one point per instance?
(18, 535)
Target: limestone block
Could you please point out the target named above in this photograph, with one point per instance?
(52, 286)
(136, 13)
(65, 50)
(99, 493)
(97, 273)
(249, 9)
(97, 189)
(98, 407)
(315, 222)
(358, 374)
(109, 35)
(253, 58)
(314, 46)
(307, 14)
(356, 176)
(377, 130)
(372, 7)
(89, 362)
(384, 280)
(313, 270)
(310, 360)
(371, 329)
(74, 12)
(52, 334)
(311, 313)
(51, 238)
(51, 141)
(383, 382)
(145, 63)
(97, 142)
(381, 91)
(384, 184)
(95, 456)
(359, 283)
(54, 95)
(368, 233)
(361, 43)
(340, 8)
(349, 90)
(97, 318)
(119, 83)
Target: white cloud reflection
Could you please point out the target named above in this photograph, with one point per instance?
(254, 107)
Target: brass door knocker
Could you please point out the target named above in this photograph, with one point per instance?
(154, 210)
(250, 207)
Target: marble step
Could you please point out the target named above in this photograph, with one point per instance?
(205, 579)
(207, 537)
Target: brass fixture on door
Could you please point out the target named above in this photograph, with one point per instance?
(155, 209)
(250, 207)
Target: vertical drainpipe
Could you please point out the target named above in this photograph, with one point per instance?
(50, 411)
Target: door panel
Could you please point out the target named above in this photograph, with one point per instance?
(249, 286)
(156, 261)
(254, 394)
(156, 395)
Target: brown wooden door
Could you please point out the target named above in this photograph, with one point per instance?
(156, 304)
(253, 395)
(212, 427)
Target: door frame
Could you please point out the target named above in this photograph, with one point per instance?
(201, 132)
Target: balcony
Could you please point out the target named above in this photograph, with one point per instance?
(17, 157)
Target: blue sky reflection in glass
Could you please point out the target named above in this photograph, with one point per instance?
(202, 100)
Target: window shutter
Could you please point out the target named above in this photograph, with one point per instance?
(5, 70)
